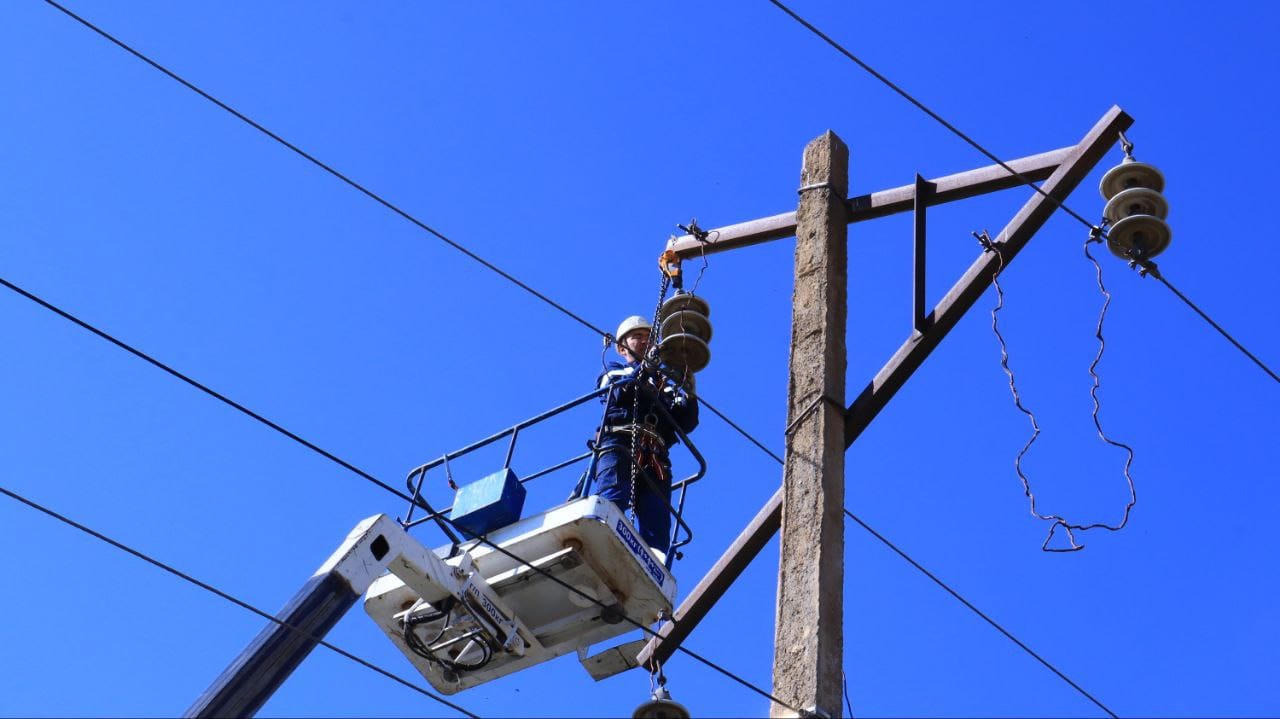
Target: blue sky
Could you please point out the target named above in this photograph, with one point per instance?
(563, 142)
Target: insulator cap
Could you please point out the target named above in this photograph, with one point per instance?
(660, 709)
(683, 301)
(1130, 173)
(1136, 201)
(684, 351)
(1142, 235)
(690, 321)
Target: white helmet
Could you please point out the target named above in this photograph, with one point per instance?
(631, 324)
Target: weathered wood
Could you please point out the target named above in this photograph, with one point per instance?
(977, 278)
(880, 204)
(808, 647)
(715, 583)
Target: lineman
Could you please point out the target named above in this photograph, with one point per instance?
(626, 416)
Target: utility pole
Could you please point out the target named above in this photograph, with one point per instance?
(809, 506)
(809, 635)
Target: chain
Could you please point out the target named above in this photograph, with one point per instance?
(655, 336)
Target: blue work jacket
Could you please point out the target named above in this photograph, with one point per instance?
(621, 408)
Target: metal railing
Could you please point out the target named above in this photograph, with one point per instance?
(681, 533)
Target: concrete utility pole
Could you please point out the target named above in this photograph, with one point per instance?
(809, 634)
(808, 507)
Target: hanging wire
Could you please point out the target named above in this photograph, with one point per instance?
(224, 595)
(1097, 382)
(1057, 520)
(921, 568)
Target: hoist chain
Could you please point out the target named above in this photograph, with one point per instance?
(651, 351)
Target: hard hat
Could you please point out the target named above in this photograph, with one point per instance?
(631, 324)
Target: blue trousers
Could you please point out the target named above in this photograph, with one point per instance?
(613, 482)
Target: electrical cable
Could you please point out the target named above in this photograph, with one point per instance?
(1022, 178)
(931, 575)
(1058, 520)
(1150, 268)
(224, 595)
(980, 613)
(329, 169)
(203, 388)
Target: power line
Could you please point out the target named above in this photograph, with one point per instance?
(980, 613)
(1150, 268)
(330, 456)
(892, 86)
(926, 572)
(1022, 178)
(214, 590)
(203, 388)
(329, 169)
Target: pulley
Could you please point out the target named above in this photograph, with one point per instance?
(1136, 201)
(661, 706)
(1139, 236)
(1130, 173)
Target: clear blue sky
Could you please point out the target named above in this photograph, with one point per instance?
(563, 142)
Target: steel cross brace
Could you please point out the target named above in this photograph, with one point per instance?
(1064, 170)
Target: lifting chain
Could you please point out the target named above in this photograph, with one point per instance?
(650, 355)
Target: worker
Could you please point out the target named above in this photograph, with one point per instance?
(644, 425)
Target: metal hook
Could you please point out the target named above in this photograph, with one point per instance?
(1126, 145)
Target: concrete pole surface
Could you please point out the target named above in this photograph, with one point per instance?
(809, 634)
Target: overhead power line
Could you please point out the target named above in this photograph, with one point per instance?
(224, 595)
(990, 155)
(330, 169)
(979, 612)
(926, 572)
(1150, 268)
(203, 388)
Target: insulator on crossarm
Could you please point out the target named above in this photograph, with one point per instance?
(1135, 209)
(1130, 173)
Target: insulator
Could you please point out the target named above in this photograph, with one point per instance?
(684, 351)
(661, 706)
(690, 321)
(1130, 173)
(1143, 236)
(683, 301)
(1136, 201)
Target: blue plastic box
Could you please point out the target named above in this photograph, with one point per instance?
(488, 503)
